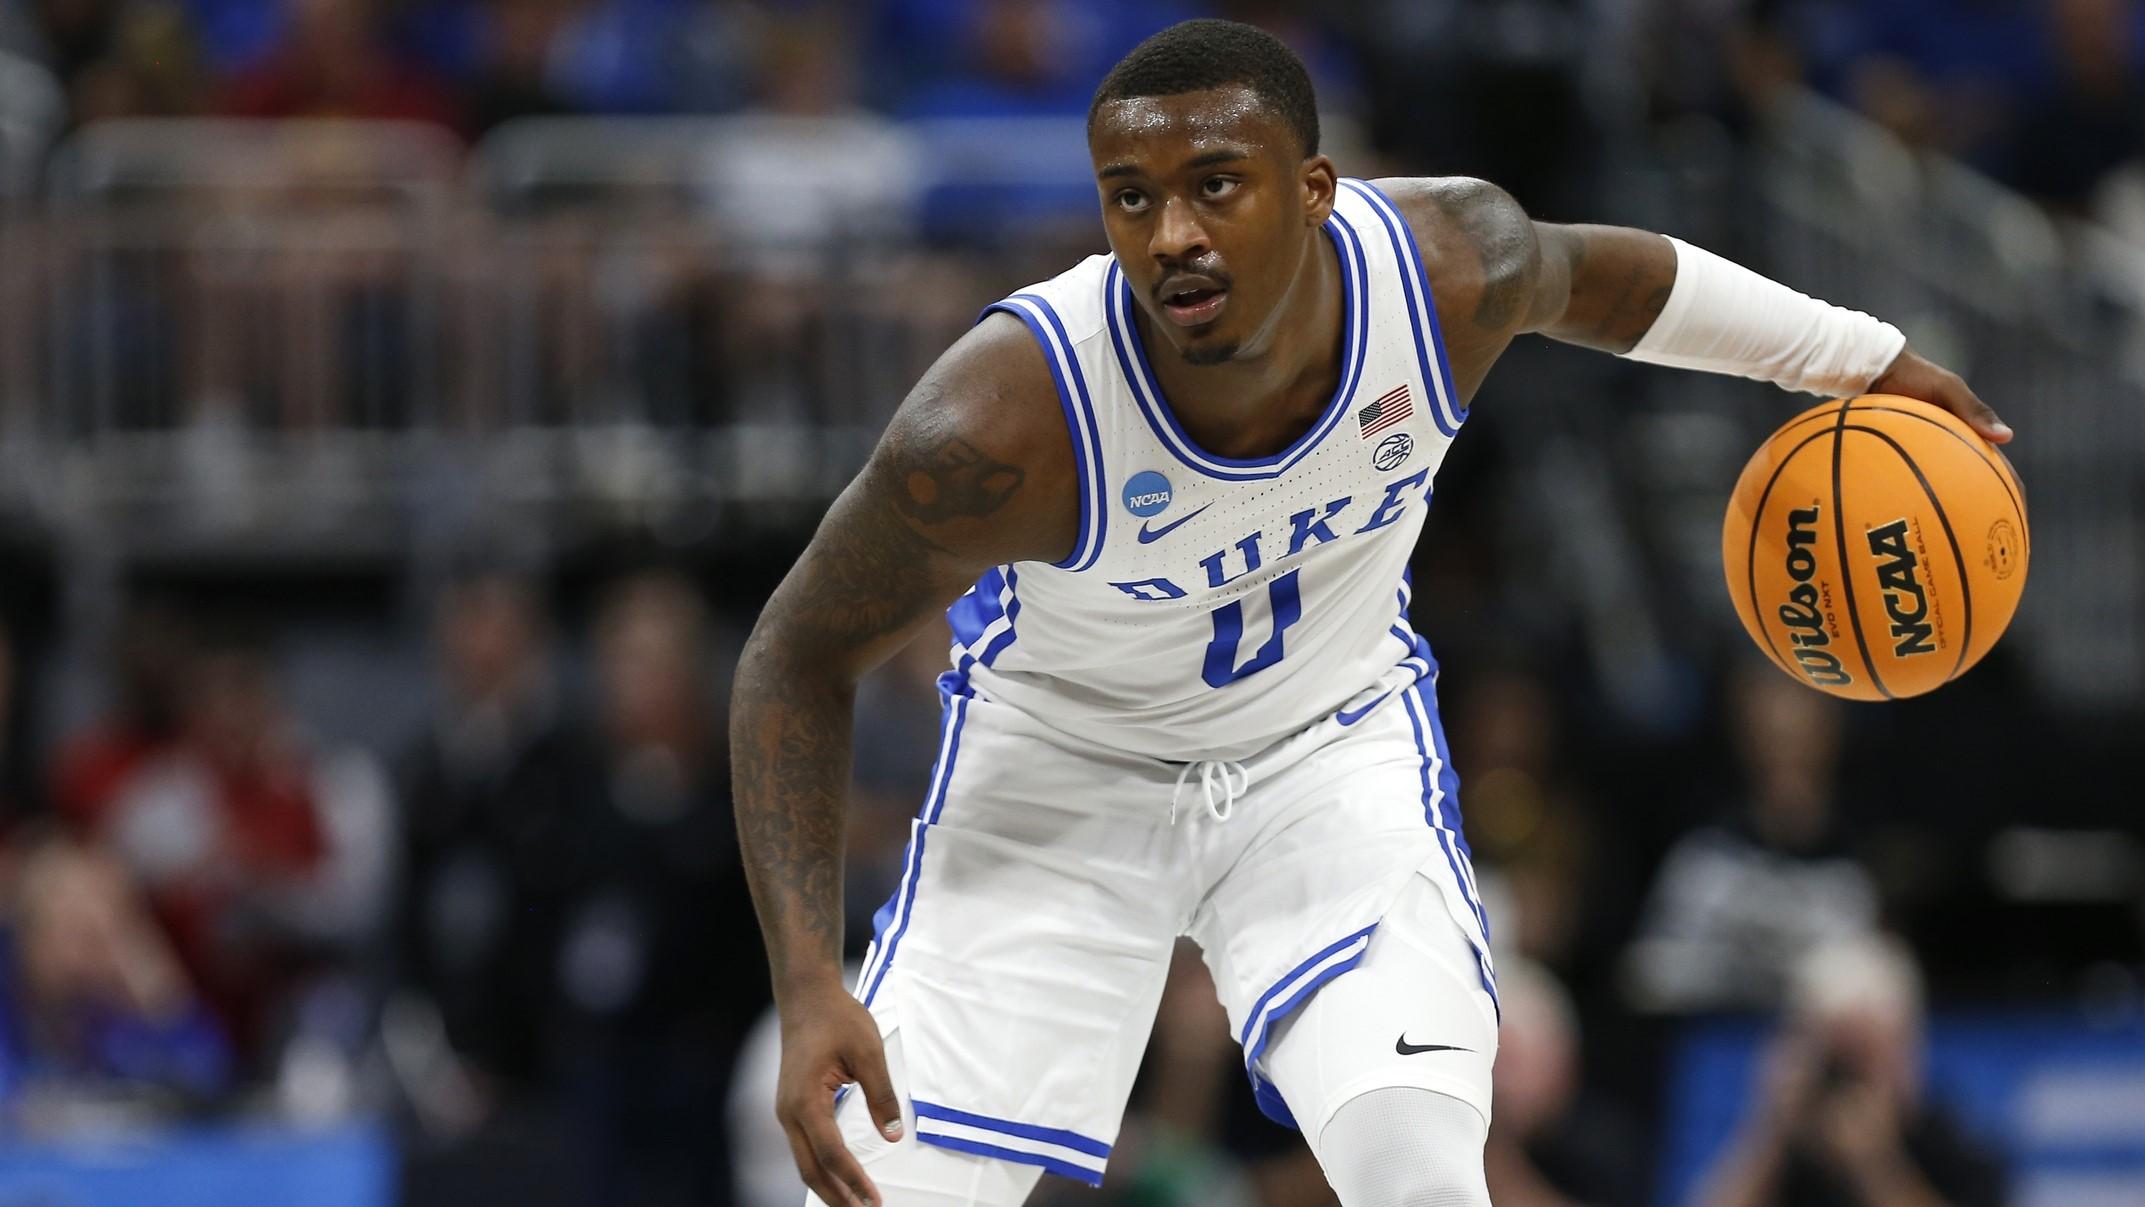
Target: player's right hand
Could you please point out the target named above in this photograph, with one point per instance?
(830, 1040)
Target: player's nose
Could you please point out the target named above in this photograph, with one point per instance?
(1177, 234)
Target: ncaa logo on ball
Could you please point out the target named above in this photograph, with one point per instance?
(1392, 451)
(1147, 493)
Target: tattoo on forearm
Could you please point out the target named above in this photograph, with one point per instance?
(958, 480)
(789, 758)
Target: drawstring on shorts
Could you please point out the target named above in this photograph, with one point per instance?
(1227, 775)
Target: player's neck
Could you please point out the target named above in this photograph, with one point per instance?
(1261, 401)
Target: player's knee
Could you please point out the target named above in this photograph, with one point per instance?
(1405, 1148)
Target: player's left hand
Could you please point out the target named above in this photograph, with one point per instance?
(1914, 376)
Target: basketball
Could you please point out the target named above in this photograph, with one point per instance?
(1876, 547)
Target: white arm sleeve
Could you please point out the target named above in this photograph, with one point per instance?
(1724, 318)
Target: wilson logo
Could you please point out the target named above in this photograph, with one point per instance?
(1809, 623)
(1905, 601)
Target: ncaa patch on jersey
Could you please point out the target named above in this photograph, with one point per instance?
(1147, 493)
(1393, 451)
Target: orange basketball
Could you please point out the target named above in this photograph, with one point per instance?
(1876, 547)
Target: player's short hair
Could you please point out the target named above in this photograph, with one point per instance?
(1192, 56)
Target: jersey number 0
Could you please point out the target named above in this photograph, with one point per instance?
(1222, 668)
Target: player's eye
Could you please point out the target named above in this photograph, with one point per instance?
(1216, 187)
(1131, 201)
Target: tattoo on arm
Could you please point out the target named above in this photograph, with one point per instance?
(957, 480)
(1503, 238)
(789, 754)
(878, 566)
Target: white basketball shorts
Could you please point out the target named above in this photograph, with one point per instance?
(1046, 881)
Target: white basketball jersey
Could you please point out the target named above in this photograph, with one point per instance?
(1213, 605)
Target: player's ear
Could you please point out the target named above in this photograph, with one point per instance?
(1320, 184)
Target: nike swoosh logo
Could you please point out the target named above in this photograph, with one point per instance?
(1405, 1048)
(1155, 534)
(1349, 718)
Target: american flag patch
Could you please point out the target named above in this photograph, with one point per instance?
(1384, 413)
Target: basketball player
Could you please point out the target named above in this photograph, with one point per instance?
(1171, 496)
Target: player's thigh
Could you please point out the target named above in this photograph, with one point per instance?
(1414, 1014)
(1024, 954)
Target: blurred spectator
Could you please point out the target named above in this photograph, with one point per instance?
(97, 1017)
(149, 658)
(659, 971)
(1489, 88)
(151, 67)
(335, 61)
(19, 799)
(923, 43)
(64, 35)
(1840, 1116)
(1738, 903)
(265, 858)
(489, 848)
(1553, 1142)
(512, 76)
(1943, 74)
(1531, 823)
(2087, 119)
(839, 171)
(1017, 57)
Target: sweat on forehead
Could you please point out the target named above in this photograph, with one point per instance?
(1216, 119)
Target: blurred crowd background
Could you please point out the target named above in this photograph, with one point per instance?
(405, 408)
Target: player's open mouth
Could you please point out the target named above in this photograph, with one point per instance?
(1191, 307)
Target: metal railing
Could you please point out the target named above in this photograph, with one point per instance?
(290, 334)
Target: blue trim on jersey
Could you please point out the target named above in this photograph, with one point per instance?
(956, 695)
(1449, 840)
(1026, 1131)
(1138, 371)
(1012, 617)
(992, 599)
(977, 1148)
(1093, 492)
(1450, 776)
(960, 696)
(1079, 408)
(1445, 407)
(906, 910)
(1259, 1027)
(973, 614)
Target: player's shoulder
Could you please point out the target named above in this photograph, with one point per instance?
(996, 379)
(978, 457)
(1479, 247)
(996, 389)
(1010, 372)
